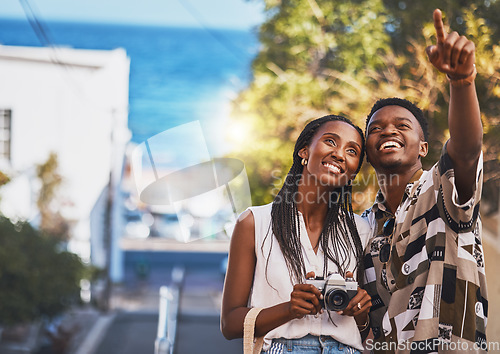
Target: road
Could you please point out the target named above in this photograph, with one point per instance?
(135, 332)
(133, 328)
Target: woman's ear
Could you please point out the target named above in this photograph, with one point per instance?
(304, 153)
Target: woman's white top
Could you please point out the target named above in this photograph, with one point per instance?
(272, 284)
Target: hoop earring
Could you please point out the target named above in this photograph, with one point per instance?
(304, 162)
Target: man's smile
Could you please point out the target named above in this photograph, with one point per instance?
(391, 144)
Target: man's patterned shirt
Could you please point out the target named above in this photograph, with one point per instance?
(431, 295)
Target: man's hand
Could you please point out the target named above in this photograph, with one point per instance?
(453, 54)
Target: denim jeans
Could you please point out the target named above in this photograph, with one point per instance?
(309, 345)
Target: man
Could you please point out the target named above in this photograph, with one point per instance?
(424, 267)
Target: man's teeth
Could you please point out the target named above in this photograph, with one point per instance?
(390, 144)
(333, 168)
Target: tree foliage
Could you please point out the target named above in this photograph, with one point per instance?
(313, 54)
(408, 16)
(338, 57)
(51, 220)
(36, 279)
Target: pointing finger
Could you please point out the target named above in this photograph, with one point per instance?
(439, 26)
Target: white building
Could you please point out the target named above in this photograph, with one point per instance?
(73, 103)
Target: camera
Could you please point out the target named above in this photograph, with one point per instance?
(337, 291)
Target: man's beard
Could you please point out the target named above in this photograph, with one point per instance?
(390, 165)
(387, 165)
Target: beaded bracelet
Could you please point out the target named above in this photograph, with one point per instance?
(465, 81)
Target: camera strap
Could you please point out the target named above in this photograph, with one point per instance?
(251, 345)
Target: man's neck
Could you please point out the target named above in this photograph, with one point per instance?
(393, 186)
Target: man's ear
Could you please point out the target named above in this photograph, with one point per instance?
(424, 149)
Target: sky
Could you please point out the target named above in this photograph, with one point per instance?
(238, 14)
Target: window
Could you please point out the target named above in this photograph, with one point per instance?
(5, 124)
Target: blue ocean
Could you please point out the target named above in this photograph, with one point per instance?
(177, 75)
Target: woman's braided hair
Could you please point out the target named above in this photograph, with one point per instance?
(339, 236)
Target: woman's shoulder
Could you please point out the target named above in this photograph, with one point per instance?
(260, 210)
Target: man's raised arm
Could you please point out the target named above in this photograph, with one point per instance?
(454, 55)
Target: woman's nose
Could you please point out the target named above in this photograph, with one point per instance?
(338, 154)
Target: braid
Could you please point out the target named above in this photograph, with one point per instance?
(339, 237)
(285, 222)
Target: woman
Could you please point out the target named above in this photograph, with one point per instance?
(309, 230)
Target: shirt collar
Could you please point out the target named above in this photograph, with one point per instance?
(379, 208)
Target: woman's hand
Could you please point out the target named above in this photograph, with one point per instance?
(305, 299)
(359, 306)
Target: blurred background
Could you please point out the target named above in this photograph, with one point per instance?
(101, 102)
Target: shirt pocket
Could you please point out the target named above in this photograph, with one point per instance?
(411, 260)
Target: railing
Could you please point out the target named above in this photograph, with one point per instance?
(169, 308)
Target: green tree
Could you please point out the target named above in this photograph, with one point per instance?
(37, 280)
(488, 87)
(313, 53)
(51, 220)
(406, 16)
(323, 57)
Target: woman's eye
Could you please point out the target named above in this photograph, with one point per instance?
(331, 141)
(352, 151)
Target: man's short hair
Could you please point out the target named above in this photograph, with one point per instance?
(394, 101)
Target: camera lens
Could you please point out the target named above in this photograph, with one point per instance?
(336, 300)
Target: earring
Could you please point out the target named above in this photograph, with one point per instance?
(304, 162)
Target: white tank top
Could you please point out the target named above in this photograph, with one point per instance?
(272, 284)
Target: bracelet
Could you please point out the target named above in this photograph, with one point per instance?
(465, 81)
(361, 328)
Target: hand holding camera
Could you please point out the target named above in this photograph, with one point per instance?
(333, 294)
(336, 291)
(305, 299)
(343, 296)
